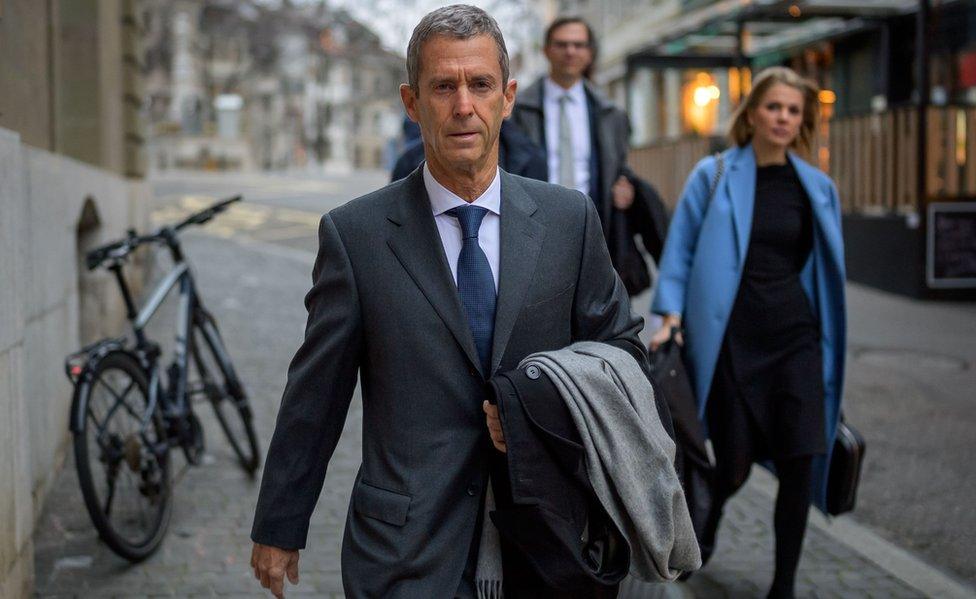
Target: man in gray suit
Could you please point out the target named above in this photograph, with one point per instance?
(424, 289)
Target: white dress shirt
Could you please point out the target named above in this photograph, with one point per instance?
(579, 120)
(443, 199)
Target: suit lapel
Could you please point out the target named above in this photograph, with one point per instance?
(417, 245)
(742, 191)
(521, 242)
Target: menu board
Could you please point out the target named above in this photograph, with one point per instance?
(951, 237)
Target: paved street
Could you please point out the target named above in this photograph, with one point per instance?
(253, 268)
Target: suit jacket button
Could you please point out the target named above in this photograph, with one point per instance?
(472, 490)
(472, 372)
(533, 372)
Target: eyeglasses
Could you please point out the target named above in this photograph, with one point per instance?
(564, 45)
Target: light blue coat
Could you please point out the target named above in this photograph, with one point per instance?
(703, 260)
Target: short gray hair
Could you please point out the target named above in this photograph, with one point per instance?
(459, 21)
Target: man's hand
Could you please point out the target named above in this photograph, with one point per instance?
(270, 566)
(623, 193)
(494, 427)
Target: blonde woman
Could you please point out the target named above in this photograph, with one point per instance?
(753, 272)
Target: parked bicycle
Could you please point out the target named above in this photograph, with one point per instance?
(126, 414)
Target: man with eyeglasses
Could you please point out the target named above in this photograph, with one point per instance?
(586, 138)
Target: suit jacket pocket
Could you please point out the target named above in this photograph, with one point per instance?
(383, 505)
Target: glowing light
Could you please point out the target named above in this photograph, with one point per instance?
(960, 138)
(699, 96)
(795, 11)
(827, 97)
(705, 94)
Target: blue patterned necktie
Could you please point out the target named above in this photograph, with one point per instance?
(475, 282)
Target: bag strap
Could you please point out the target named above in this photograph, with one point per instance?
(713, 188)
(719, 170)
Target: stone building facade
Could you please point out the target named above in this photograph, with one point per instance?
(238, 85)
(71, 171)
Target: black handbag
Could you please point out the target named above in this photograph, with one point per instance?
(695, 467)
(845, 469)
(626, 257)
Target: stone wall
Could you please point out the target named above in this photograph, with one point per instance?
(53, 209)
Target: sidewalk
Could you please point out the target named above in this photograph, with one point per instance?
(840, 559)
(207, 550)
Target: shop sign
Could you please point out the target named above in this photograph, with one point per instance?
(951, 245)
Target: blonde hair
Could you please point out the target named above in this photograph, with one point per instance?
(740, 132)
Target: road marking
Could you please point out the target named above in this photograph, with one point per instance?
(283, 233)
(247, 221)
(299, 255)
(302, 217)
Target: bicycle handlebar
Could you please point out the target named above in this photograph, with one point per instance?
(121, 248)
(207, 213)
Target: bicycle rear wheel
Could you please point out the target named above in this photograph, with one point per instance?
(216, 379)
(121, 457)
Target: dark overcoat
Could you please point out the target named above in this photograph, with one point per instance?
(610, 143)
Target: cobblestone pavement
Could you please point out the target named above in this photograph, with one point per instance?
(256, 290)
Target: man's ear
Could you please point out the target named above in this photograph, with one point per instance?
(409, 99)
(509, 93)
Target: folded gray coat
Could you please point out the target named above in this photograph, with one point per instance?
(629, 456)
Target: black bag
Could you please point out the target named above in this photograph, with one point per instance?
(845, 469)
(646, 217)
(626, 257)
(694, 465)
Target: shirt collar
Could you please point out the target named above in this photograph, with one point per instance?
(554, 90)
(443, 199)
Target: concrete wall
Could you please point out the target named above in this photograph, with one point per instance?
(42, 199)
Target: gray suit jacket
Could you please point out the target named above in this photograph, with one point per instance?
(384, 305)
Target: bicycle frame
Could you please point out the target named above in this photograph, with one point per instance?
(163, 413)
(174, 400)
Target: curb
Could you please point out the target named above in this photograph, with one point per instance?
(896, 561)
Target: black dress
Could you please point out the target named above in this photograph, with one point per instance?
(767, 397)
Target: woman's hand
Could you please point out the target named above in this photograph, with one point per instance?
(664, 333)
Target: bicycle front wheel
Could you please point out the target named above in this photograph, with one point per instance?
(216, 379)
(122, 457)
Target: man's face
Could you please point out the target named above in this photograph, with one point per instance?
(460, 102)
(569, 51)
